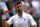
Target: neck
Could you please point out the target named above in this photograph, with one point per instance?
(20, 14)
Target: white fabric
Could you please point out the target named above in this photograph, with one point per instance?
(23, 21)
(3, 16)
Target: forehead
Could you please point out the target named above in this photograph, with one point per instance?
(19, 4)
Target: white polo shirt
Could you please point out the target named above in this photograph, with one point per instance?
(23, 21)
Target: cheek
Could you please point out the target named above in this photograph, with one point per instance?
(16, 8)
(21, 7)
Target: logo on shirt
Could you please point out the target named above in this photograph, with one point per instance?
(24, 19)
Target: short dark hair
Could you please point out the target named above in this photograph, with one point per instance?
(18, 2)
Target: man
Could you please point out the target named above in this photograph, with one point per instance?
(21, 19)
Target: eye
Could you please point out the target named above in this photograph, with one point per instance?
(17, 6)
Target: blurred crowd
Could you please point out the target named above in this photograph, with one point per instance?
(31, 7)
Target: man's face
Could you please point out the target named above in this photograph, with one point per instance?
(18, 8)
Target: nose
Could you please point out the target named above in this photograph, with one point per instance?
(19, 8)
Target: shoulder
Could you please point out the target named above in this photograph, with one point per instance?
(26, 14)
(13, 17)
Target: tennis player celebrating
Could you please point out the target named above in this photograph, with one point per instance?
(21, 19)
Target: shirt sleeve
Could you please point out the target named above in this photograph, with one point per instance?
(10, 21)
(32, 21)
